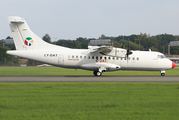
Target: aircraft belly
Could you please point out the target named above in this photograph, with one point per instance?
(97, 66)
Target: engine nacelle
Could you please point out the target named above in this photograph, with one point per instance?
(118, 52)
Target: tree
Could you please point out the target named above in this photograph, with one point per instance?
(152, 43)
(47, 38)
(3, 54)
(8, 37)
(83, 42)
(174, 50)
(117, 44)
(176, 38)
(1, 44)
(133, 46)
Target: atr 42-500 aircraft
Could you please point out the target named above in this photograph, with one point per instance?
(97, 58)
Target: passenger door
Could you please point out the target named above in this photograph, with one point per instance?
(60, 60)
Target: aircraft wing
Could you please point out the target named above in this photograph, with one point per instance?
(108, 51)
(100, 49)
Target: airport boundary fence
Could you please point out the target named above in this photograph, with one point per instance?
(19, 62)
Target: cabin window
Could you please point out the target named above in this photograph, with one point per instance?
(109, 58)
(117, 58)
(101, 57)
(105, 58)
(92, 57)
(113, 58)
(76, 57)
(133, 58)
(88, 57)
(80, 57)
(137, 58)
(96, 57)
(121, 58)
(129, 58)
(125, 58)
(84, 57)
(72, 56)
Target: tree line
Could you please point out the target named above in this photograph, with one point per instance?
(142, 41)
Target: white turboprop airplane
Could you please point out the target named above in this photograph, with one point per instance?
(96, 58)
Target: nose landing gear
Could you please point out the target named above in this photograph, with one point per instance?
(162, 73)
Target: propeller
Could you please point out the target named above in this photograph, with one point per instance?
(128, 50)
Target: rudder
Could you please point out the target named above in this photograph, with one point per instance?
(24, 38)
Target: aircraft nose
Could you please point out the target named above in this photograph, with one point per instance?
(173, 64)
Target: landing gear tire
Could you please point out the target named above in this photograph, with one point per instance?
(97, 73)
(162, 74)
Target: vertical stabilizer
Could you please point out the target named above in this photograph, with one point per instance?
(24, 38)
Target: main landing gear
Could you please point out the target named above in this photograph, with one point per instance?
(97, 73)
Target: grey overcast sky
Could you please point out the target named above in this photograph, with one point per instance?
(70, 19)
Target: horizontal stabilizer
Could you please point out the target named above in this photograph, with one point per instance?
(16, 19)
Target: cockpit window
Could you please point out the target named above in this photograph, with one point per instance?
(164, 56)
(161, 56)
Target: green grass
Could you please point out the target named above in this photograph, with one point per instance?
(89, 101)
(65, 71)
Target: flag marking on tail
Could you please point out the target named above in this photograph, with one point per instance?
(28, 41)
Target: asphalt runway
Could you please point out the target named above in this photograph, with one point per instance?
(89, 79)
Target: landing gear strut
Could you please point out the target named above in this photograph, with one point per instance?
(97, 73)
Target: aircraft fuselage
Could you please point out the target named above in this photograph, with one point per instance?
(74, 58)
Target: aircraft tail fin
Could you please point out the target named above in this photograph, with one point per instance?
(24, 38)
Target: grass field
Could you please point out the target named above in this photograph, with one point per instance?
(64, 71)
(89, 101)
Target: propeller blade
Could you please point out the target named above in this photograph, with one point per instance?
(128, 50)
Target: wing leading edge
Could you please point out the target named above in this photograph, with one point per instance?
(108, 51)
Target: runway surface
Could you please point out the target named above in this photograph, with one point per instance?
(89, 79)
